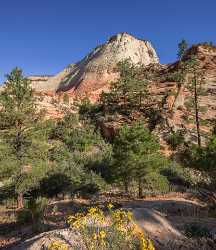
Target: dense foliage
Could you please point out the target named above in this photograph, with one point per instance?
(73, 156)
(23, 157)
(136, 154)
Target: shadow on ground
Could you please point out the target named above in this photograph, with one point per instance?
(164, 220)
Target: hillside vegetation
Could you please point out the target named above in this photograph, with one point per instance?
(114, 146)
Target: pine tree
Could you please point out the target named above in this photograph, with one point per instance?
(128, 92)
(191, 74)
(182, 48)
(195, 85)
(18, 116)
(180, 74)
(136, 153)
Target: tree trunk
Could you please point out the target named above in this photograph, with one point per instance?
(18, 147)
(197, 113)
(126, 187)
(20, 201)
(18, 143)
(140, 188)
(140, 100)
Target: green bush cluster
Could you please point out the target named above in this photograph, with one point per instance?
(71, 155)
(33, 212)
(196, 230)
(175, 140)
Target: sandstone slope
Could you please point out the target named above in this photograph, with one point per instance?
(93, 73)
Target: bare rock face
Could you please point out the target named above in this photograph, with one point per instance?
(176, 109)
(93, 73)
(38, 82)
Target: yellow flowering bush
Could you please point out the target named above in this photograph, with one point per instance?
(145, 244)
(58, 245)
(114, 230)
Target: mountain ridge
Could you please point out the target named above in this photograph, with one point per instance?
(90, 76)
(92, 73)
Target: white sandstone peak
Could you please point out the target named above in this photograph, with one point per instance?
(96, 70)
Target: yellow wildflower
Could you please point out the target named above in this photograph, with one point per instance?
(70, 219)
(102, 234)
(120, 220)
(58, 245)
(92, 210)
(130, 215)
(94, 236)
(79, 215)
(110, 205)
(76, 224)
(145, 244)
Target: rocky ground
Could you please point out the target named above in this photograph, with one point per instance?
(162, 218)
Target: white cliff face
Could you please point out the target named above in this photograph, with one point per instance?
(95, 71)
(123, 46)
(120, 47)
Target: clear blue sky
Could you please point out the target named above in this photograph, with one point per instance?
(43, 36)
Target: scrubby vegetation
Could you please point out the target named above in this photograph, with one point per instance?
(73, 156)
(44, 158)
(114, 230)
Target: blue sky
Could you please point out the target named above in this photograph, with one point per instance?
(43, 36)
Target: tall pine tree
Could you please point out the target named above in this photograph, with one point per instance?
(136, 154)
(128, 92)
(18, 116)
(195, 85)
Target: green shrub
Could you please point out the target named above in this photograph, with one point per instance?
(176, 175)
(54, 184)
(66, 98)
(175, 140)
(7, 192)
(156, 182)
(58, 245)
(195, 230)
(24, 216)
(59, 153)
(91, 184)
(10, 203)
(203, 109)
(37, 208)
(33, 211)
(87, 110)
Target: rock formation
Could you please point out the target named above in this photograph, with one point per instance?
(91, 75)
(176, 110)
